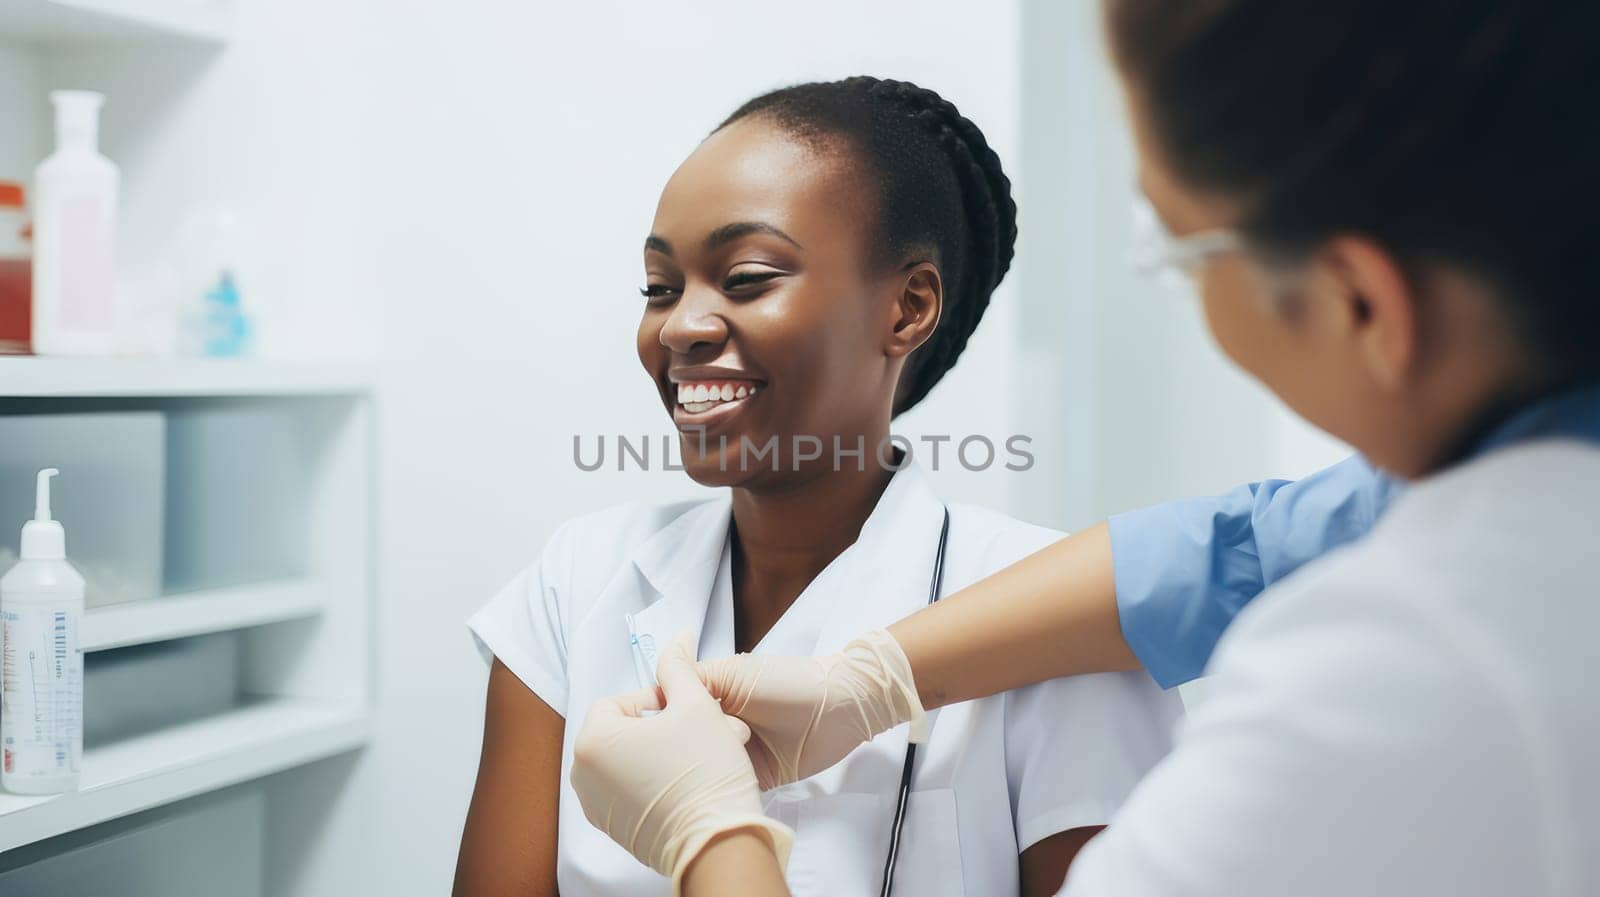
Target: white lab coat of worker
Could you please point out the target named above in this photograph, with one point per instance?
(1415, 714)
(996, 776)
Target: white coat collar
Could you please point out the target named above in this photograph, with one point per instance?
(881, 577)
(680, 564)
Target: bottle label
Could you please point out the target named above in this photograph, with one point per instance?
(86, 260)
(41, 692)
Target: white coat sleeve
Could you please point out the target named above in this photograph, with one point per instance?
(1076, 747)
(1346, 746)
(524, 625)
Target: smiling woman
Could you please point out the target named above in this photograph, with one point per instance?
(814, 268)
(877, 209)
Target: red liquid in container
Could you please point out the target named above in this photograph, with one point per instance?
(16, 304)
(16, 272)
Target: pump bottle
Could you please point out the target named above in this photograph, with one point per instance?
(41, 669)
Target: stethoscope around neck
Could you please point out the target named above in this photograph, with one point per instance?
(899, 823)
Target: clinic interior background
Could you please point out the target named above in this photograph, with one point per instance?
(456, 194)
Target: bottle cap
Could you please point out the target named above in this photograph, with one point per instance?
(12, 195)
(77, 118)
(43, 539)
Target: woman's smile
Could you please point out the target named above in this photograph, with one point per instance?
(703, 402)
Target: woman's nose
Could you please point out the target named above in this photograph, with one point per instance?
(695, 323)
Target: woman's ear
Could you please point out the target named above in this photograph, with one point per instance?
(1378, 303)
(919, 300)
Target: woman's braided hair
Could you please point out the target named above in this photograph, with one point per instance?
(941, 195)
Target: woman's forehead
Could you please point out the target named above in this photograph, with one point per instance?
(754, 170)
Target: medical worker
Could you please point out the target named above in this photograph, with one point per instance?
(1388, 211)
(814, 267)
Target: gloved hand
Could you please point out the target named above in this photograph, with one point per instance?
(664, 786)
(808, 713)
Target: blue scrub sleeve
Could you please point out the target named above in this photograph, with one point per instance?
(1185, 569)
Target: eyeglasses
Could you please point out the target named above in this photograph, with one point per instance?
(1156, 252)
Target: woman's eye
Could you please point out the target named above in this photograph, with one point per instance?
(739, 279)
(656, 292)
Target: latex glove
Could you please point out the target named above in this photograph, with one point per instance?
(664, 786)
(808, 713)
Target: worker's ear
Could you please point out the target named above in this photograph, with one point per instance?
(1377, 303)
(916, 303)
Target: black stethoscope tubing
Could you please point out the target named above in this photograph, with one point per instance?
(911, 749)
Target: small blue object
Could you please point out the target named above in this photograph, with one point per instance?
(225, 328)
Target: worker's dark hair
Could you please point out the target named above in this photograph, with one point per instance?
(941, 194)
(1457, 132)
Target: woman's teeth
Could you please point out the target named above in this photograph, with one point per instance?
(705, 395)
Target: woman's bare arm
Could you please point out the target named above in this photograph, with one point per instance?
(1051, 614)
(1044, 864)
(738, 864)
(741, 864)
(508, 848)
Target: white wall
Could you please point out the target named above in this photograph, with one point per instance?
(1146, 407)
(22, 103)
(519, 150)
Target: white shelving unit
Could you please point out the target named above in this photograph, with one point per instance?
(55, 22)
(186, 760)
(259, 453)
(200, 613)
(305, 652)
(175, 377)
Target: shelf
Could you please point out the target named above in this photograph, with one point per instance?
(185, 760)
(197, 613)
(59, 22)
(29, 377)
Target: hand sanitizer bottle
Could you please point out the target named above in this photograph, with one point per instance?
(41, 670)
